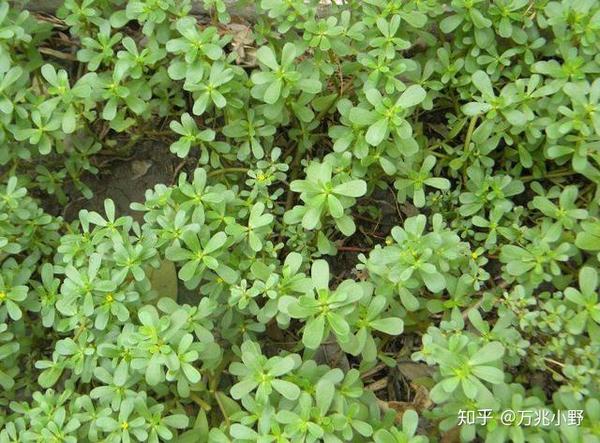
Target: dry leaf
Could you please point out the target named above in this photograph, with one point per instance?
(420, 403)
(140, 168)
(242, 44)
(413, 370)
(330, 353)
(164, 280)
(377, 385)
(451, 436)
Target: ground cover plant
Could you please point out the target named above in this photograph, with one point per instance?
(381, 216)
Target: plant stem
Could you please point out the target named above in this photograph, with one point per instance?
(352, 249)
(439, 154)
(222, 408)
(294, 168)
(555, 174)
(557, 363)
(226, 171)
(470, 130)
(200, 402)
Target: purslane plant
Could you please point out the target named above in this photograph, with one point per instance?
(325, 194)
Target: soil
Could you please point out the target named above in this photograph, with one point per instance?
(125, 180)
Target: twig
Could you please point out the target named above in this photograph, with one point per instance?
(373, 371)
(557, 363)
(378, 385)
(477, 304)
(178, 168)
(352, 249)
(57, 54)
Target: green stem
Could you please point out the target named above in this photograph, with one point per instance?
(10, 172)
(294, 168)
(200, 402)
(222, 408)
(132, 141)
(470, 130)
(226, 171)
(439, 154)
(79, 331)
(555, 174)
(322, 113)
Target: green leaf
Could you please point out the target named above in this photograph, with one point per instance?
(589, 238)
(475, 108)
(288, 54)
(216, 242)
(489, 373)
(338, 324)
(390, 326)
(69, 120)
(410, 420)
(490, 352)
(352, 188)
(576, 324)
(377, 132)
(410, 302)
(50, 376)
(346, 225)
(288, 389)
(320, 274)
(310, 86)
(242, 388)
(266, 56)
(435, 281)
(335, 207)
(588, 280)
(154, 373)
(313, 332)
(482, 82)
(450, 23)
(242, 432)
(188, 271)
(412, 96)
(273, 92)
(439, 183)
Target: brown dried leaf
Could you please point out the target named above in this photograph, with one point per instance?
(451, 436)
(140, 168)
(242, 44)
(420, 403)
(377, 385)
(330, 353)
(164, 280)
(413, 370)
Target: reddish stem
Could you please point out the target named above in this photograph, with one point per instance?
(352, 249)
